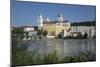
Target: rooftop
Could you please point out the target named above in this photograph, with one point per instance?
(86, 23)
(53, 22)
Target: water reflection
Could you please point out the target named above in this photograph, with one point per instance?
(63, 47)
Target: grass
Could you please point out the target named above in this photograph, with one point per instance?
(22, 57)
(28, 58)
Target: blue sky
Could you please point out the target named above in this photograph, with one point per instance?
(26, 13)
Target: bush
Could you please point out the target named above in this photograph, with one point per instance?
(50, 58)
(20, 56)
(45, 32)
(59, 36)
(67, 59)
(39, 32)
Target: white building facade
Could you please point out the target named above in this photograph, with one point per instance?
(90, 30)
(27, 29)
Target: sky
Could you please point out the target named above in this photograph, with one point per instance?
(26, 13)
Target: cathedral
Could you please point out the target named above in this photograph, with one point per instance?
(54, 27)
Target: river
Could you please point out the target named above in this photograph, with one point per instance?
(63, 47)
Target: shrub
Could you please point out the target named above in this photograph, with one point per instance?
(45, 32)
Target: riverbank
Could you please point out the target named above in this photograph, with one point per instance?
(47, 51)
(27, 58)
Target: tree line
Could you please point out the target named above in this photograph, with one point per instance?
(85, 23)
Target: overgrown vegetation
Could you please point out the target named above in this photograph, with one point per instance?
(42, 33)
(20, 56)
(45, 32)
(24, 58)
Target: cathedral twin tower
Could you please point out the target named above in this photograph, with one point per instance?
(41, 20)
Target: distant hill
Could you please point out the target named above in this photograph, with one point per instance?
(87, 23)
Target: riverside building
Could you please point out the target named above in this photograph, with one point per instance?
(56, 27)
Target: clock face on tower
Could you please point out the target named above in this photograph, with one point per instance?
(60, 18)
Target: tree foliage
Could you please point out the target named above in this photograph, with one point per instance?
(39, 32)
(18, 31)
(45, 32)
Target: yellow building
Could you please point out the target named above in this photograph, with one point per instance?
(56, 27)
(53, 27)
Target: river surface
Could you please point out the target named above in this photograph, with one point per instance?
(63, 47)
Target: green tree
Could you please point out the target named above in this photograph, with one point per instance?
(60, 34)
(19, 32)
(85, 35)
(39, 32)
(45, 32)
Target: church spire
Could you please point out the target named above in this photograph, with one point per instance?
(47, 19)
(60, 18)
(40, 21)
